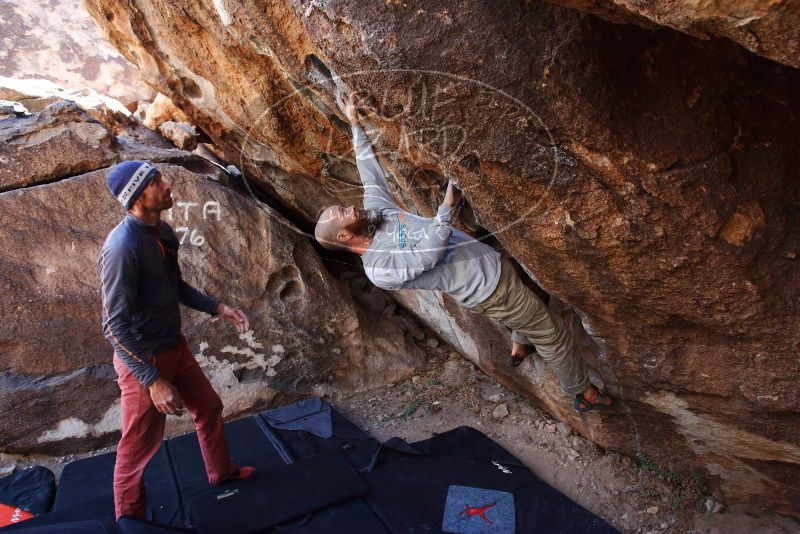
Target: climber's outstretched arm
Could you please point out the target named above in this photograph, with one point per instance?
(376, 188)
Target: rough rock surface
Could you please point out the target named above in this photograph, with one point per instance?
(56, 40)
(162, 110)
(65, 140)
(765, 27)
(182, 134)
(62, 140)
(308, 334)
(645, 177)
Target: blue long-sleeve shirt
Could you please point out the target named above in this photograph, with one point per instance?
(141, 289)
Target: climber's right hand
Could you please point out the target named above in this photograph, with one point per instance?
(347, 104)
(452, 196)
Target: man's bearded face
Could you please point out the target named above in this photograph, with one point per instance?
(361, 222)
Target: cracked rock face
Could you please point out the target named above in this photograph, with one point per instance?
(645, 177)
(61, 140)
(308, 335)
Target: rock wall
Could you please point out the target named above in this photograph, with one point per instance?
(770, 29)
(56, 40)
(308, 335)
(61, 140)
(643, 176)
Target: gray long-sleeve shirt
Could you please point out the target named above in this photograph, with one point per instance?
(412, 252)
(141, 289)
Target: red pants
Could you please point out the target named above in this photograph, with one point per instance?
(143, 426)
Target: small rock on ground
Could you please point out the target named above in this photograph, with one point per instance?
(7, 469)
(564, 429)
(500, 411)
(713, 506)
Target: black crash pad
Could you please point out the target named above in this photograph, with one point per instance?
(86, 486)
(270, 498)
(88, 526)
(323, 474)
(31, 489)
(419, 487)
(248, 446)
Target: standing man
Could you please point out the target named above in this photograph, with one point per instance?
(158, 375)
(400, 250)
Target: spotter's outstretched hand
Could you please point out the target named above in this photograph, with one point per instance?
(234, 316)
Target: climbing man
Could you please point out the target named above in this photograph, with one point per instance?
(157, 374)
(400, 250)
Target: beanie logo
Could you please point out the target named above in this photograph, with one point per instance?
(132, 187)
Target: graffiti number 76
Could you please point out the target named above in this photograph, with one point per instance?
(194, 237)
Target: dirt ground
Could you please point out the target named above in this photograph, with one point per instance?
(451, 392)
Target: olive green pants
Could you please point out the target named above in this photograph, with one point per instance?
(516, 307)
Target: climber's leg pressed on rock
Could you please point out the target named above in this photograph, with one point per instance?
(518, 308)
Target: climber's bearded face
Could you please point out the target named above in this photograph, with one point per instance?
(341, 226)
(358, 221)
